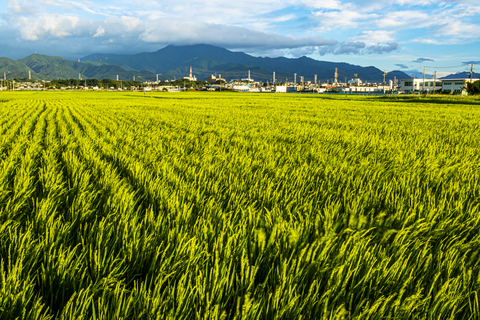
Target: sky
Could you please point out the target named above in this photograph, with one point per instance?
(406, 35)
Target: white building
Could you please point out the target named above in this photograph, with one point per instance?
(362, 89)
(285, 89)
(455, 85)
(417, 84)
(444, 85)
(355, 82)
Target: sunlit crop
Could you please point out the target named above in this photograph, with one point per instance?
(238, 206)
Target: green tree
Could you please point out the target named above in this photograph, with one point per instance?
(473, 88)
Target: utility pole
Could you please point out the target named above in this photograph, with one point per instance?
(423, 84)
(384, 74)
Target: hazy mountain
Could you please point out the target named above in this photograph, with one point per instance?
(417, 74)
(462, 75)
(207, 60)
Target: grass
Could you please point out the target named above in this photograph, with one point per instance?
(235, 206)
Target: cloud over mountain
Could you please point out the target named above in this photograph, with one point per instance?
(356, 30)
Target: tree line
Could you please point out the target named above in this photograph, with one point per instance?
(473, 88)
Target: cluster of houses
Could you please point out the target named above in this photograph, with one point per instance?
(413, 85)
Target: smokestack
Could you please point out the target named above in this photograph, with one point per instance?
(315, 79)
(248, 74)
(29, 75)
(336, 76)
(157, 77)
(191, 73)
(117, 77)
(274, 77)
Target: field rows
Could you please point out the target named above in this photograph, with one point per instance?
(233, 206)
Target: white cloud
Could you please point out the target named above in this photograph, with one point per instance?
(322, 4)
(27, 7)
(100, 32)
(164, 31)
(126, 29)
(346, 19)
(459, 29)
(298, 27)
(56, 25)
(375, 36)
(130, 23)
(400, 19)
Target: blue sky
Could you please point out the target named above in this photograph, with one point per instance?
(402, 35)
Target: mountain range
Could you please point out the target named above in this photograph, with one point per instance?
(462, 75)
(175, 61)
(42, 67)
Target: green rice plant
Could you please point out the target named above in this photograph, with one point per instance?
(227, 206)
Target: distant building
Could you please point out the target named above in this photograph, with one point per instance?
(416, 84)
(444, 85)
(285, 89)
(455, 85)
(356, 82)
(213, 79)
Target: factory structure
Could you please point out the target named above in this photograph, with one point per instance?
(191, 77)
(247, 84)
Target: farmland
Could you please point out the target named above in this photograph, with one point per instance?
(236, 206)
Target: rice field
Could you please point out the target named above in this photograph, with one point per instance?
(238, 206)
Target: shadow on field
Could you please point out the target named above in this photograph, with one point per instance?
(433, 100)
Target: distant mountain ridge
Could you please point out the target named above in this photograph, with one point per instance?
(174, 62)
(461, 75)
(43, 67)
(207, 60)
(15, 69)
